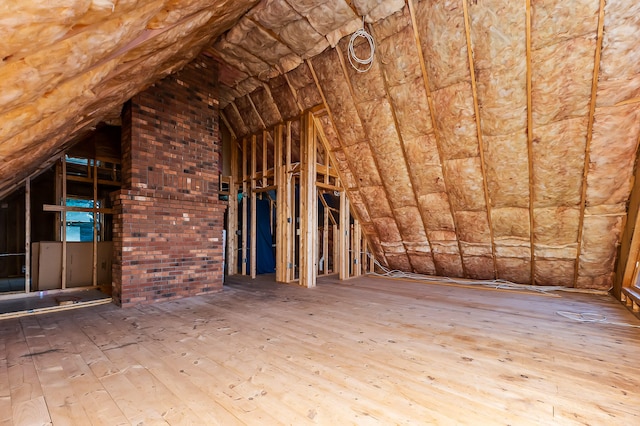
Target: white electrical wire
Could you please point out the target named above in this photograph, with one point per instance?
(592, 317)
(496, 284)
(356, 61)
(588, 317)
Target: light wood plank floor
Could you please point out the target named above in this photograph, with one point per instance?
(366, 351)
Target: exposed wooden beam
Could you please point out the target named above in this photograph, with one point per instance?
(587, 148)
(235, 108)
(293, 92)
(263, 189)
(425, 79)
(253, 106)
(226, 123)
(476, 109)
(530, 143)
(328, 186)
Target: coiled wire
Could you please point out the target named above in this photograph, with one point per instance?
(355, 61)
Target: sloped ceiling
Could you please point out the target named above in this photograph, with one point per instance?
(490, 139)
(66, 65)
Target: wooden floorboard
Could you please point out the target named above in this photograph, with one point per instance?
(363, 351)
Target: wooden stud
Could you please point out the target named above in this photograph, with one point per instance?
(58, 190)
(530, 143)
(356, 263)
(425, 79)
(476, 109)
(245, 209)
(325, 236)
(343, 241)
(63, 218)
(265, 153)
(254, 198)
(94, 266)
(308, 203)
(323, 167)
(587, 153)
(291, 236)
(232, 212)
(336, 247)
(27, 235)
(281, 204)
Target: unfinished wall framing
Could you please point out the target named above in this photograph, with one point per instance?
(289, 169)
(64, 231)
(488, 140)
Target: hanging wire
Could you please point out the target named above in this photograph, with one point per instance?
(355, 61)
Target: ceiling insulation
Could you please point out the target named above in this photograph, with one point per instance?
(447, 167)
(489, 139)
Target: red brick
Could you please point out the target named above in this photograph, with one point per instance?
(171, 152)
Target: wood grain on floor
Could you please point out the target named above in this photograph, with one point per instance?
(364, 351)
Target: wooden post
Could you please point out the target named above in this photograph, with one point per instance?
(245, 210)
(27, 235)
(254, 198)
(308, 203)
(291, 206)
(232, 213)
(530, 141)
(345, 225)
(63, 219)
(58, 190)
(325, 225)
(281, 204)
(336, 248)
(356, 264)
(94, 270)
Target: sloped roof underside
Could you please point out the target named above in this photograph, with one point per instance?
(489, 139)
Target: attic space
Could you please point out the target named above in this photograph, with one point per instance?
(480, 141)
(319, 211)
